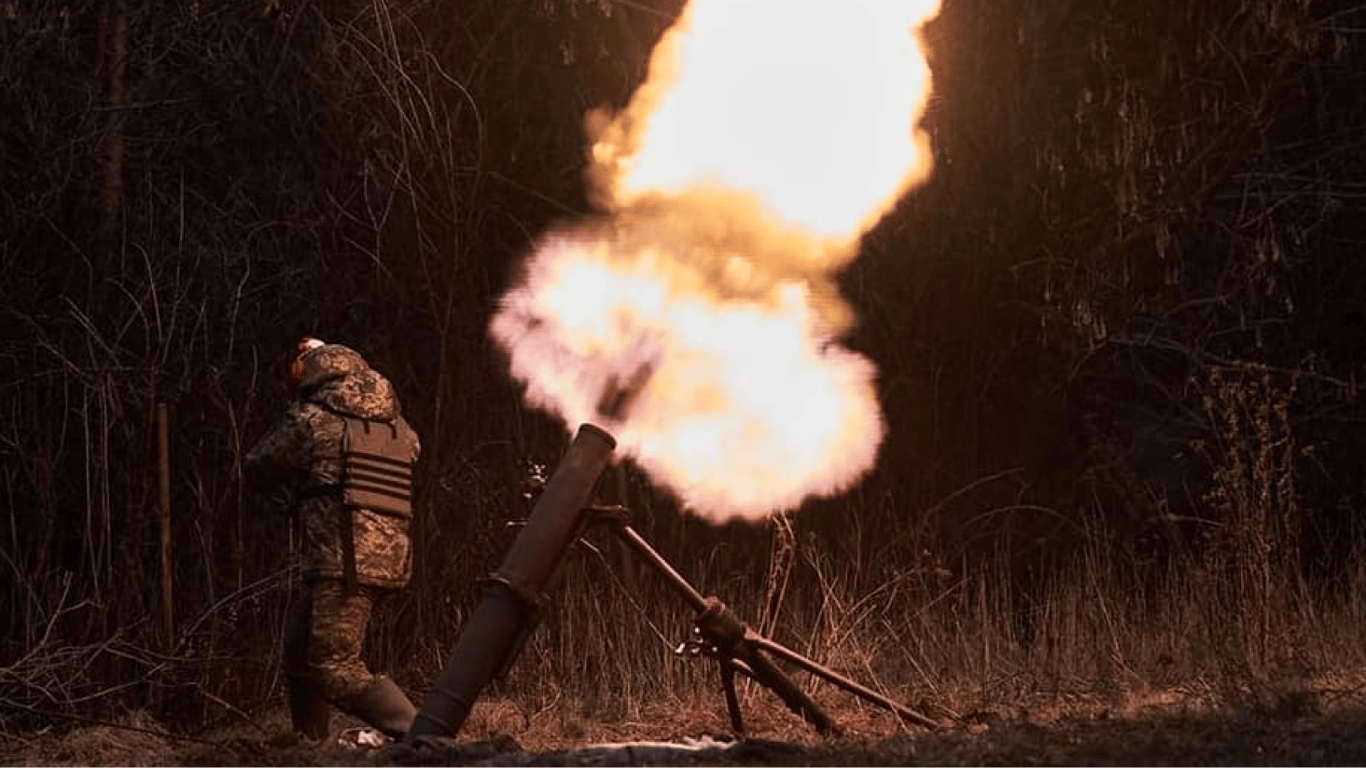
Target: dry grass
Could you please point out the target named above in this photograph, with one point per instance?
(135, 739)
(375, 147)
(1103, 665)
(1227, 628)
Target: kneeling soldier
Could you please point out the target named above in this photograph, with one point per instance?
(346, 453)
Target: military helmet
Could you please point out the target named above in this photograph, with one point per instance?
(319, 362)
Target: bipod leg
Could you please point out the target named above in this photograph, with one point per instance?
(730, 638)
(726, 636)
(727, 667)
(767, 674)
(829, 675)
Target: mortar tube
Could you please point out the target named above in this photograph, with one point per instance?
(508, 606)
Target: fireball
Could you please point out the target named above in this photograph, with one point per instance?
(697, 317)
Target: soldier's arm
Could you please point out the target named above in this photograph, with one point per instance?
(282, 456)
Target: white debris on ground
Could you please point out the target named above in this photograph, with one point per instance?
(438, 751)
(648, 752)
(362, 738)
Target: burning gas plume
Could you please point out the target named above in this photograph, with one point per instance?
(698, 317)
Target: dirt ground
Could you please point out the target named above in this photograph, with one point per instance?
(1289, 730)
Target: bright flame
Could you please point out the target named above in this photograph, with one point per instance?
(770, 135)
(811, 105)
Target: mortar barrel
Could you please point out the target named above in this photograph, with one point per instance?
(507, 608)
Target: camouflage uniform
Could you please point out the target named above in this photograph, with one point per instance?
(326, 626)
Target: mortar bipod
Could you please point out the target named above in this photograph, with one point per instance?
(720, 634)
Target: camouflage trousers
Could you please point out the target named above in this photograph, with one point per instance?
(324, 635)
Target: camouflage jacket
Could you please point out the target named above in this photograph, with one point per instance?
(303, 453)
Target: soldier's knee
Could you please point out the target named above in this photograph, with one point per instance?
(342, 683)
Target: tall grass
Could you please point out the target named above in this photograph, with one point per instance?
(1227, 619)
(187, 190)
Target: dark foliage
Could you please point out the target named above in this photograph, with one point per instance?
(1146, 218)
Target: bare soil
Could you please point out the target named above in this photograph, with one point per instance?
(1166, 729)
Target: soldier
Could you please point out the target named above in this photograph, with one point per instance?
(345, 453)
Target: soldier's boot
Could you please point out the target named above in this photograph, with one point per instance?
(384, 706)
(309, 712)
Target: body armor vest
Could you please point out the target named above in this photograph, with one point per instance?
(375, 475)
(375, 471)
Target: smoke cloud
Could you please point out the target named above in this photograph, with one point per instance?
(698, 318)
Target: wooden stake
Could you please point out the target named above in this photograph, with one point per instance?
(164, 520)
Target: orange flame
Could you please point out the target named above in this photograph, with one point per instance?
(769, 136)
(810, 105)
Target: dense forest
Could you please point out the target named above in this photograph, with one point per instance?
(1122, 317)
